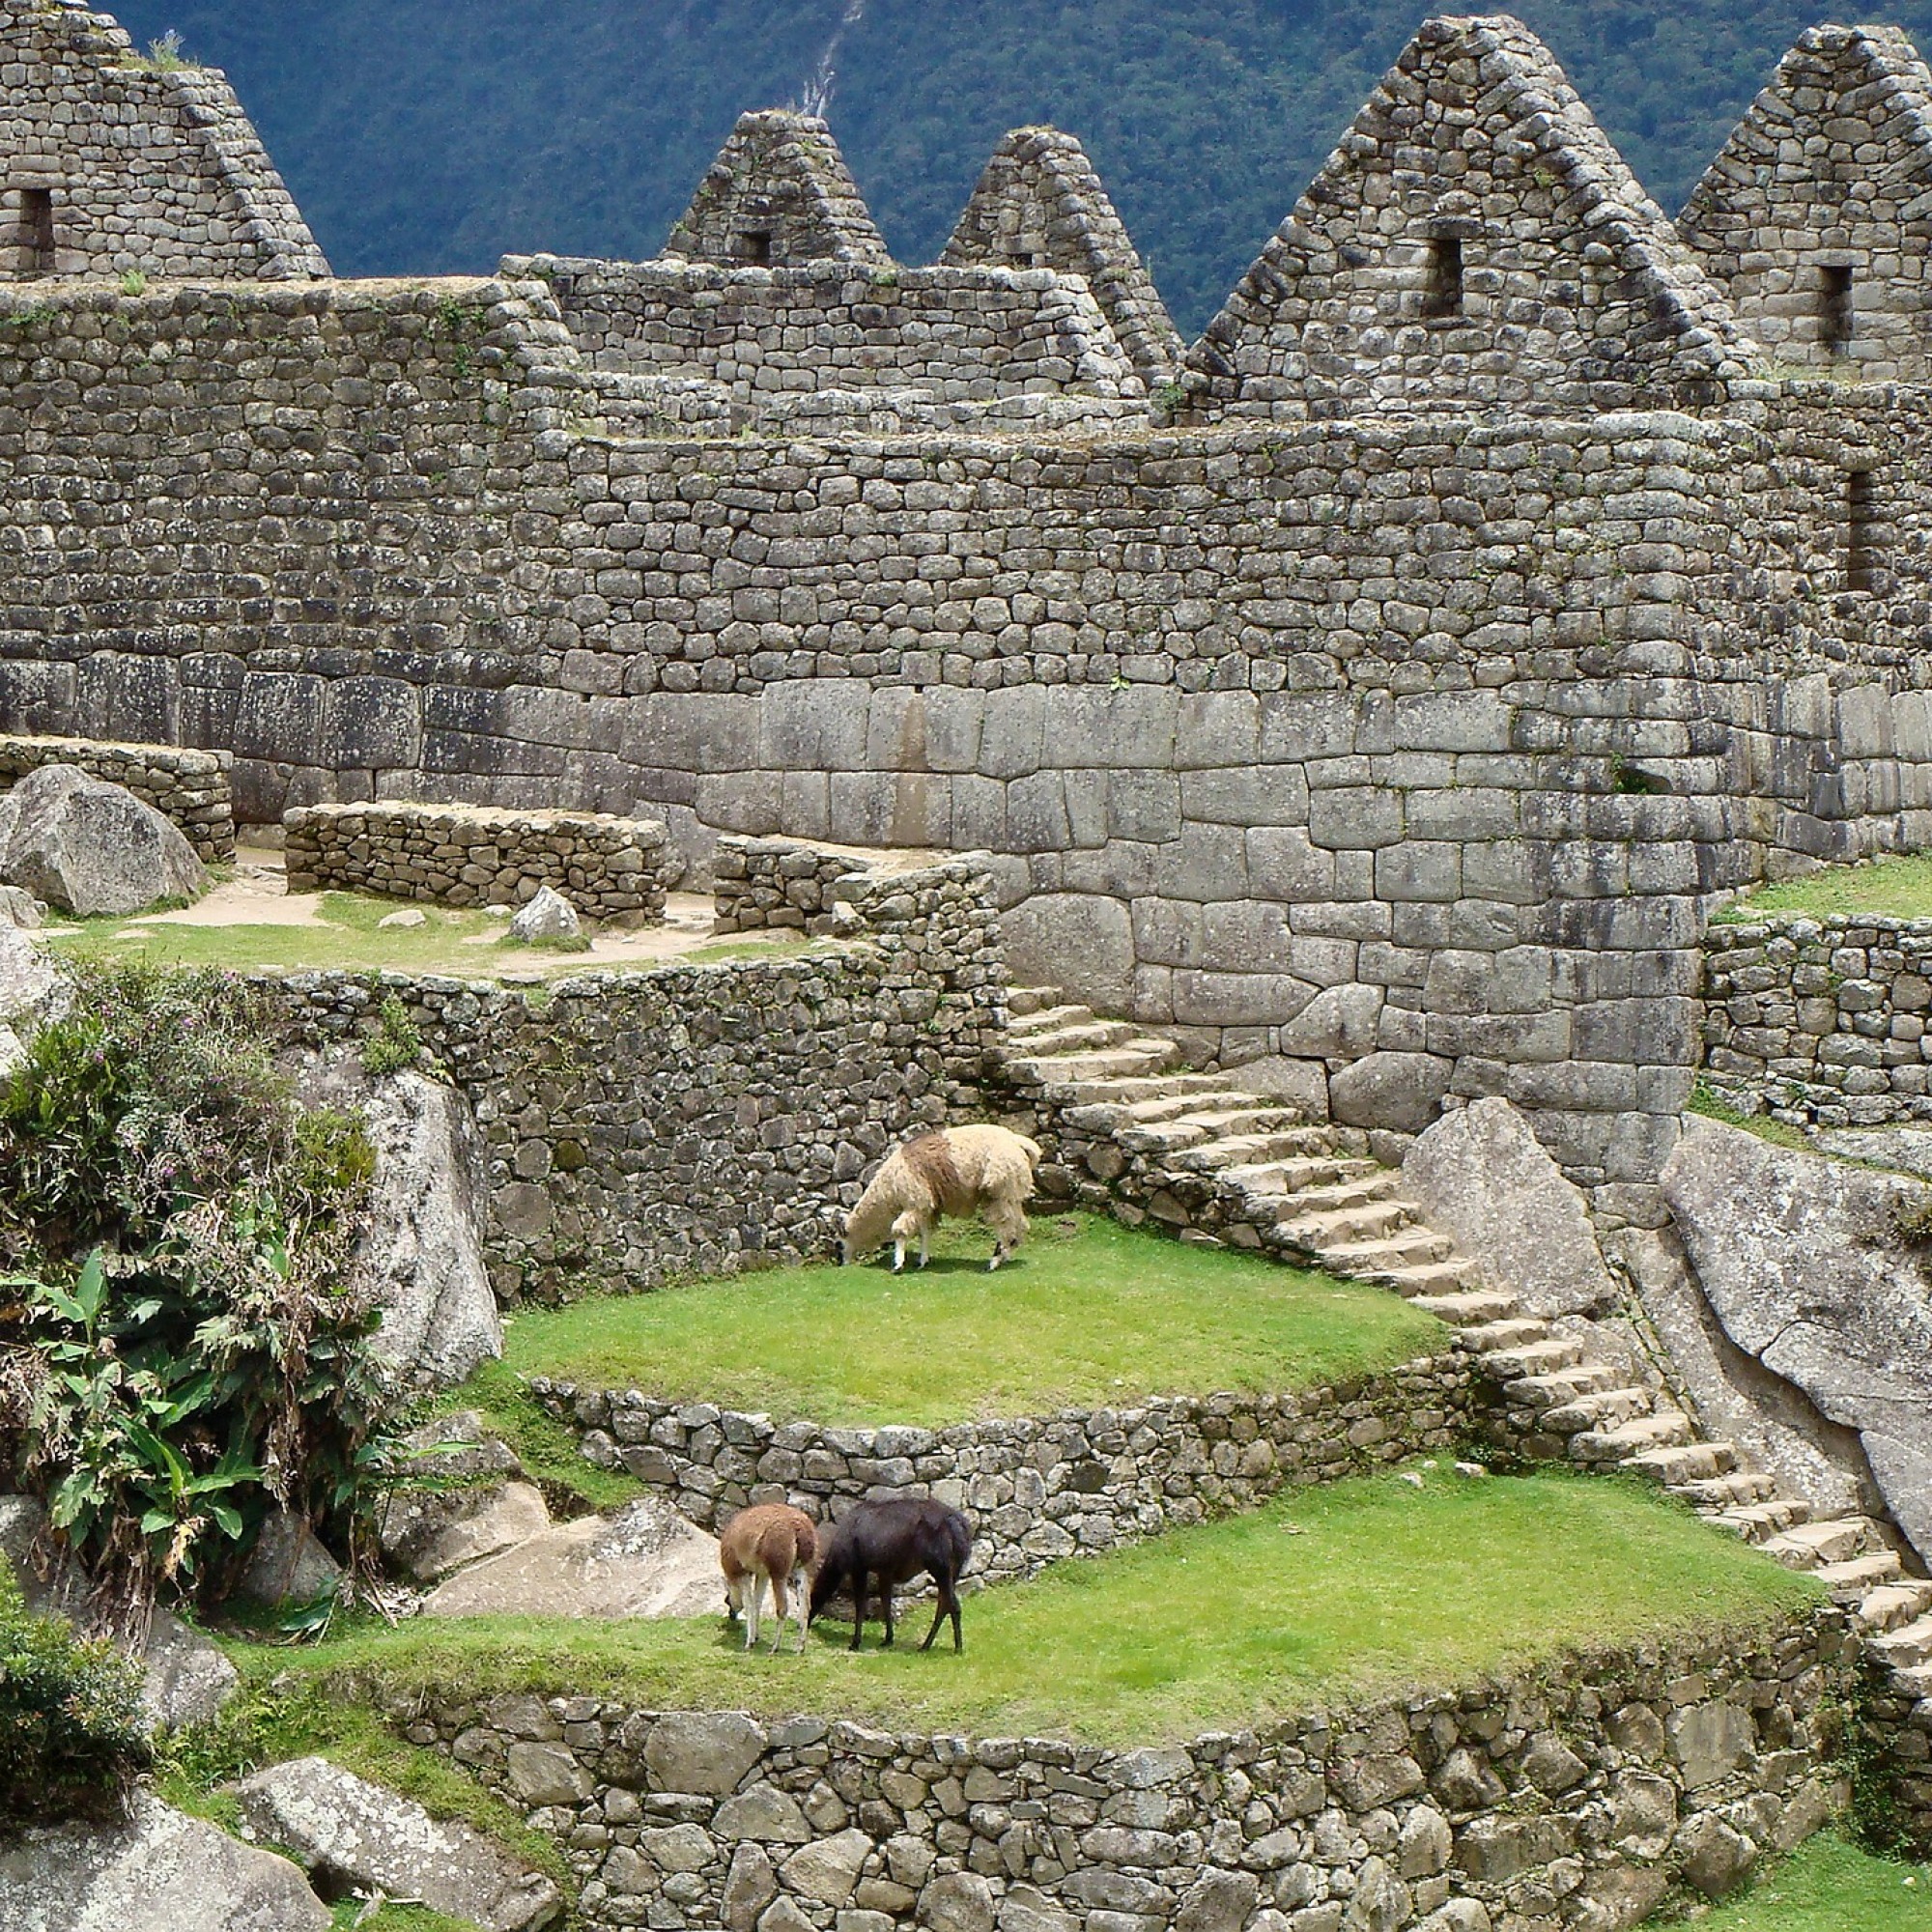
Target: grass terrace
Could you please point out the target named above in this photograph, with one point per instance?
(1358, 1588)
(1089, 1313)
(1893, 887)
(1827, 1886)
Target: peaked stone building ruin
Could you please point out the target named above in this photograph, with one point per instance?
(1381, 692)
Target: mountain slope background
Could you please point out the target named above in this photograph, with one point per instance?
(426, 135)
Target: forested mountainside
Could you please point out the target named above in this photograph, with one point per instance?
(437, 134)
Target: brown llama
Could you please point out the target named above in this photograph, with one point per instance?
(769, 1542)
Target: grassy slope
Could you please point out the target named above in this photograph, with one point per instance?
(1365, 1586)
(1897, 888)
(1089, 1312)
(1827, 1886)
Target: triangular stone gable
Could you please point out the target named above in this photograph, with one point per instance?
(111, 161)
(1817, 216)
(1040, 204)
(779, 194)
(1475, 240)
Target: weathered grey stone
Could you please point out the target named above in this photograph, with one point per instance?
(706, 1752)
(1394, 1090)
(344, 1827)
(31, 986)
(1713, 1857)
(1813, 1267)
(548, 919)
(1338, 1024)
(1710, 1741)
(188, 1679)
(958, 1902)
(1027, 1908)
(1482, 1177)
(1218, 1901)
(542, 1774)
(288, 1564)
(430, 1535)
(750, 1885)
(91, 847)
(763, 1812)
(829, 1869)
(1077, 941)
(159, 1872)
(1379, 1903)
(645, 1562)
(20, 909)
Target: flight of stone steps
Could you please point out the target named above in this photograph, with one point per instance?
(1136, 1135)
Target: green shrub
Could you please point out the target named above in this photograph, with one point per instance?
(70, 1738)
(182, 1345)
(396, 1046)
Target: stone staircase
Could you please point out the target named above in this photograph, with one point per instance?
(1131, 1131)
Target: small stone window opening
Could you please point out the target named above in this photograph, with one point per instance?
(1835, 311)
(1442, 292)
(35, 232)
(753, 246)
(1861, 539)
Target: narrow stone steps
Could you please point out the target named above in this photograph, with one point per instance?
(1669, 1430)
(1288, 1146)
(1430, 1278)
(1024, 1001)
(1601, 1410)
(1123, 1091)
(1467, 1309)
(1739, 1489)
(1301, 1176)
(1375, 1261)
(1561, 1386)
(1890, 1606)
(1132, 1058)
(1849, 1580)
(1913, 1680)
(1759, 1522)
(1513, 1331)
(1902, 1649)
(1687, 1463)
(1533, 1358)
(1197, 1140)
(1329, 1228)
(1075, 1037)
(1050, 1018)
(1813, 1544)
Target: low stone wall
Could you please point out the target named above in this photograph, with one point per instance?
(1821, 1021)
(763, 883)
(611, 869)
(1573, 1795)
(640, 1125)
(192, 788)
(1043, 1487)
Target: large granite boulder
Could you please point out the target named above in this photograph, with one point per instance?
(646, 1561)
(158, 1872)
(422, 1243)
(1482, 1177)
(88, 846)
(352, 1834)
(461, 1495)
(1818, 1270)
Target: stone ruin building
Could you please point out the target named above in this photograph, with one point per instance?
(1381, 692)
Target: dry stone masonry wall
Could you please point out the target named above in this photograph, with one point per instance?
(642, 1125)
(1822, 1021)
(193, 788)
(761, 884)
(611, 869)
(1579, 1793)
(1038, 1489)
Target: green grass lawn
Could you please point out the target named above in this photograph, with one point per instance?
(1827, 1886)
(349, 937)
(1360, 1587)
(1897, 888)
(1089, 1313)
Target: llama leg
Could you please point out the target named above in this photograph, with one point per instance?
(925, 1238)
(757, 1603)
(779, 1608)
(858, 1606)
(888, 1589)
(899, 1255)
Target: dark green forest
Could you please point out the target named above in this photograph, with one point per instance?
(438, 134)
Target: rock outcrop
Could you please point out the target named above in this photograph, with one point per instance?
(352, 1834)
(88, 846)
(1818, 1271)
(1481, 1176)
(159, 1872)
(647, 1561)
(548, 919)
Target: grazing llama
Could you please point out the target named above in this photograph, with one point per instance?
(958, 1171)
(769, 1542)
(893, 1541)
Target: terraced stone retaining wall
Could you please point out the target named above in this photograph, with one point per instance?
(611, 869)
(774, 883)
(1041, 1487)
(644, 1124)
(192, 788)
(1821, 1021)
(1573, 1795)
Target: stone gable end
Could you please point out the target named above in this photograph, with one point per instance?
(1475, 238)
(1817, 216)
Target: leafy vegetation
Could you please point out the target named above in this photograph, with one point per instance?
(70, 1738)
(1352, 1589)
(1895, 887)
(1089, 1313)
(1705, 1099)
(1827, 1886)
(181, 1347)
(1207, 118)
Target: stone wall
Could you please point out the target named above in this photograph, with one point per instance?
(1578, 1792)
(1040, 1488)
(643, 1126)
(1821, 1021)
(776, 883)
(145, 168)
(963, 334)
(193, 788)
(611, 869)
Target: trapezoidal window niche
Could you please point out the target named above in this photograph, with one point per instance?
(34, 240)
(1861, 541)
(1443, 282)
(1836, 310)
(753, 247)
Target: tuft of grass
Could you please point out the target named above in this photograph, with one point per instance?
(1706, 1100)
(1899, 888)
(1363, 1587)
(547, 1447)
(1089, 1313)
(1827, 1884)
